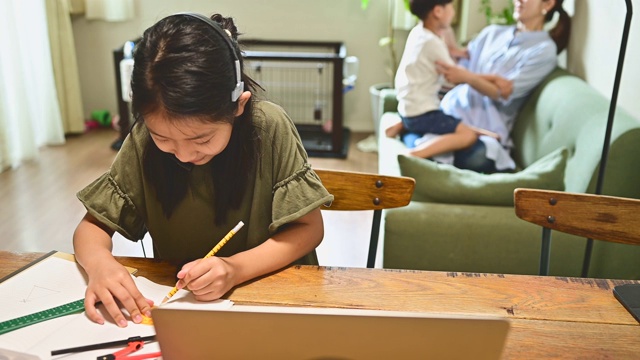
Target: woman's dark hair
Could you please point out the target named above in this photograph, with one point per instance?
(561, 32)
(421, 8)
(185, 69)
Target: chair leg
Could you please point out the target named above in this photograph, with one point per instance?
(587, 258)
(545, 251)
(373, 243)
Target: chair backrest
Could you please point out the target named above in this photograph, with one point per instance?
(366, 191)
(600, 217)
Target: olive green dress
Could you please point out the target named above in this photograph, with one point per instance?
(281, 189)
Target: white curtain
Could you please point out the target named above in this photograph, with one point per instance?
(65, 66)
(29, 111)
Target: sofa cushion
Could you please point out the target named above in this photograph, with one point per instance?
(445, 183)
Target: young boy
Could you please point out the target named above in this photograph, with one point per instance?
(417, 84)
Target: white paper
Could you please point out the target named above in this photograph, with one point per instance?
(51, 282)
(54, 282)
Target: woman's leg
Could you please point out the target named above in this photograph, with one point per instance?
(474, 158)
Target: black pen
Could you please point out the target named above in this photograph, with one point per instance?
(103, 345)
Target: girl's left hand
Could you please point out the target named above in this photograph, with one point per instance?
(208, 279)
(452, 73)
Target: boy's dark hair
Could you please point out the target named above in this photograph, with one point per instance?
(185, 70)
(422, 8)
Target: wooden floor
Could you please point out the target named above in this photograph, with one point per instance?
(39, 210)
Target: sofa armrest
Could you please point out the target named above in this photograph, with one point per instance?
(389, 101)
(389, 148)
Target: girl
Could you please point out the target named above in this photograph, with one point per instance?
(202, 156)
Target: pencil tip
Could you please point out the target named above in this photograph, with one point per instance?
(164, 300)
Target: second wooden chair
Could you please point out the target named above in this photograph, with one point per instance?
(599, 217)
(366, 191)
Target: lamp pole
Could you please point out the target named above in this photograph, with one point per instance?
(607, 136)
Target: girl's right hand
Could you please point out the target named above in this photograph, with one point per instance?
(111, 284)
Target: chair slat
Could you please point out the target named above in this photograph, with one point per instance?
(358, 191)
(598, 217)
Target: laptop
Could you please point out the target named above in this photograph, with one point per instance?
(261, 332)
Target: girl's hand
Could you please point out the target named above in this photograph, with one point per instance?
(208, 279)
(111, 284)
(453, 73)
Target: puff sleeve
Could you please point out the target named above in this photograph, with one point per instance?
(297, 189)
(116, 197)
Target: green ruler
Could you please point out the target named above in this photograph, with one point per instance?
(58, 311)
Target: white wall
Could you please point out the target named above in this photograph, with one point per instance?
(595, 45)
(328, 20)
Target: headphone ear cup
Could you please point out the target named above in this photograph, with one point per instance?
(235, 94)
(237, 91)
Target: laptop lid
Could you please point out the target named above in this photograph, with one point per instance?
(254, 332)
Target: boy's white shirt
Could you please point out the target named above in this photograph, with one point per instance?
(417, 81)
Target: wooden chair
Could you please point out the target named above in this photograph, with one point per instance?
(600, 217)
(364, 191)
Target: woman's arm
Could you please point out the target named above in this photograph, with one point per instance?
(109, 281)
(505, 86)
(493, 86)
(211, 278)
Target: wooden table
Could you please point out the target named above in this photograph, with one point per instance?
(551, 317)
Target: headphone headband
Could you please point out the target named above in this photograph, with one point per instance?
(239, 88)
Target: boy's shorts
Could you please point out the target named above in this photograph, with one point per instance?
(432, 122)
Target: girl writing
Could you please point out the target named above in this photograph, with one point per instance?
(202, 156)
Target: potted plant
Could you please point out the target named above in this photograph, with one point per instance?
(502, 17)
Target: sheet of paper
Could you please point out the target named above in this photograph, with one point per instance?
(54, 282)
(11, 355)
(49, 283)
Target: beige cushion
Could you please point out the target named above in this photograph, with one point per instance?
(444, 183)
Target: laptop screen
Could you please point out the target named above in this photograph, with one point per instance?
(253, 332)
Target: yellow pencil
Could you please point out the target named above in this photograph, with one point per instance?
(210, 254)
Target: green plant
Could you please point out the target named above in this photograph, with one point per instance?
(503, 17)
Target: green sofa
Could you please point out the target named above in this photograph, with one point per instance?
(463, 237)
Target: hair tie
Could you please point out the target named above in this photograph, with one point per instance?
(228, 33)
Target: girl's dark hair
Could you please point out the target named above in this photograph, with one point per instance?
(561, 32)
(184, 69)
(421, 8)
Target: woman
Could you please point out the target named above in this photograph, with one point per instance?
(518, 58)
